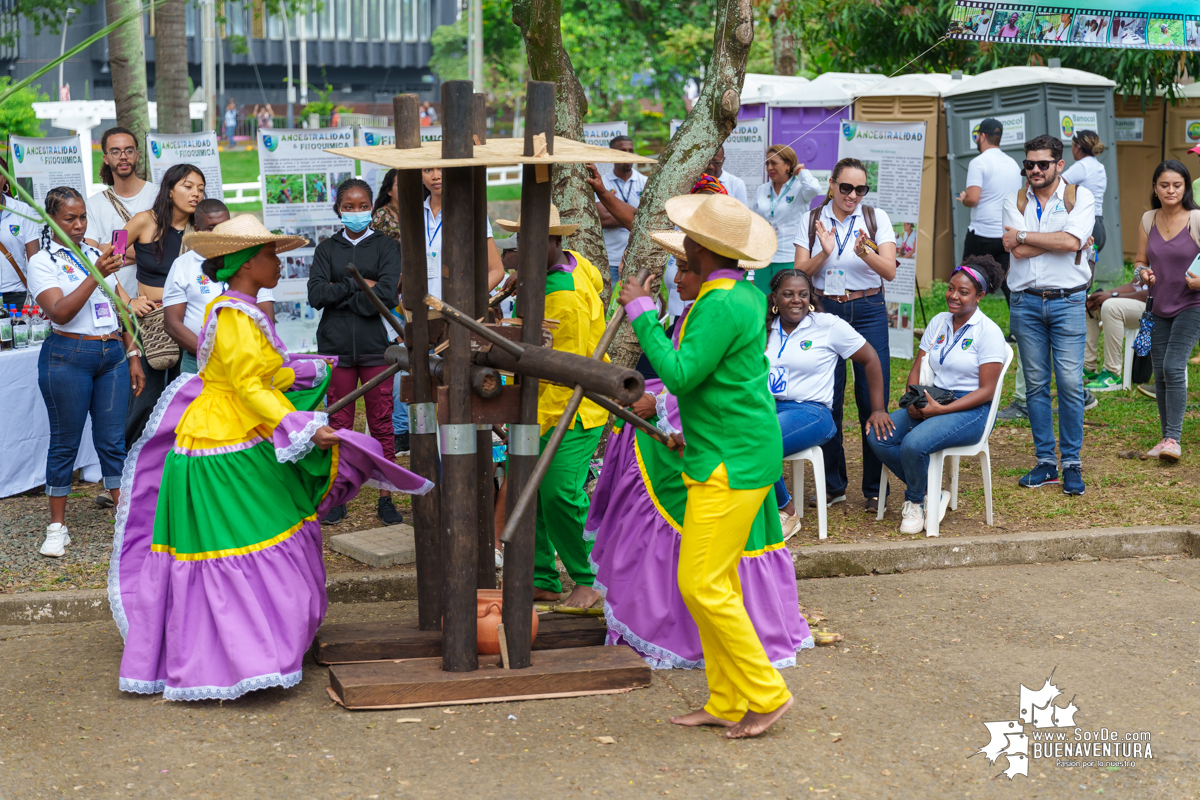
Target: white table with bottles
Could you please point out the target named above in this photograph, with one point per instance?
(25, 430)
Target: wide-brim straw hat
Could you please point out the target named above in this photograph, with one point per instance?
(672, 242)
(723, 225)
(244, 230)
(557, 228)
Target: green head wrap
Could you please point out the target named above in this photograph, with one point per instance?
(234, 262)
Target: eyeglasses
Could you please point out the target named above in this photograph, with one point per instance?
(1042, 165)
(846, 188)
(128, 152)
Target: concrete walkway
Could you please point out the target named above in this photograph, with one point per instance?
(897, 712)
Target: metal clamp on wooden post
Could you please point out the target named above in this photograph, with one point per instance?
(524, 440)
(422, 418)
(457, 439)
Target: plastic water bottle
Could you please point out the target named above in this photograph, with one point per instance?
(37, 326)
(6, 333)
(20, 332)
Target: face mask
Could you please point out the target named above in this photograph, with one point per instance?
(356, 221)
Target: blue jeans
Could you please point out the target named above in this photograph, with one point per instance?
(1051, 334)
(804, 425)
(77, 377)
(906, 452)
(868, 316)
(615, 271)
(399, 410)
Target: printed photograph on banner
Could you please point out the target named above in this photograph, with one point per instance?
(1166, 32)
(1192, 34)
(1090, 29)
(1128, 30)
(1011, 23)
(970, 20)
(899, 315)
(285, 188)
(906, 239)
(297, 266)
(1055, 28)
(316, 190)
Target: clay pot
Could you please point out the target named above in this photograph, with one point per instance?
(488, 603)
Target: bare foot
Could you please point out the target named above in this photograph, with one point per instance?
(546, 594)
(754, 724)
(701, 717)
(581, 597)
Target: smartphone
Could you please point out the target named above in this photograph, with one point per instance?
(120, 240)
(1194, 268)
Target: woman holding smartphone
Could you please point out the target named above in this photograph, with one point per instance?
(1168, 261)
(87, 365)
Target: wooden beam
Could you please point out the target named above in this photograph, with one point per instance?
(553, 673)
(485, 487)
(499, 410)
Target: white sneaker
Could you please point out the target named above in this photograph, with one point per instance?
(789, 524)
(913, 518)
(57, 540)
(943, 504)
(499, 558)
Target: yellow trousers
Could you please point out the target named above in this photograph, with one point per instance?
(716, 526)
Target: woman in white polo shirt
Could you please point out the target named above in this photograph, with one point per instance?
(783, 201)
(832, 246)
(86, 364)
(19, 240)
(966, 350)
(804, 348)
(1088, 172)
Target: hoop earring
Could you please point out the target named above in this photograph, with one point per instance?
(775, 310)
(811, 307)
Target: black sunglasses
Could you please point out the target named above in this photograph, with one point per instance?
(1042, 165)
(846, 188)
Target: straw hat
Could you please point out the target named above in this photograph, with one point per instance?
(244, 230)
(556, 226)
(672, 242)
(721, 224)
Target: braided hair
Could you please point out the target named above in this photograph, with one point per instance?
(54, 203)
(347, 185)
(777, 281)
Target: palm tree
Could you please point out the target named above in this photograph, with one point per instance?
(127, 60)
(170, 69)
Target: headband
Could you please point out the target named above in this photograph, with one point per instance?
(977, 277)
(235, 260)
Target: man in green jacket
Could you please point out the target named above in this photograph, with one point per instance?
(734, 448)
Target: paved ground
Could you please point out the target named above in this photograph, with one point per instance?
(897, 713)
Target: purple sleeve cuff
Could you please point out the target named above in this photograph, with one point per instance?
(310, 371)
(638, 306)
(293, 436)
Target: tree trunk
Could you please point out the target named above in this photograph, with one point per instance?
(783, 38)
(170, 72)
(127, 60)
(539, 21)
(711, 119)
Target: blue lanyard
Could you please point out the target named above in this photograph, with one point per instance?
(950, 345)
(849, 232)
(785, 337)
(617, 188)
(431, 236)
(775, 198)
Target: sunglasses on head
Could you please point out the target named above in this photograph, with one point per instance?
(846, 188)
(1042, 165)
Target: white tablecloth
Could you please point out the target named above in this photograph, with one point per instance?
(25, 427)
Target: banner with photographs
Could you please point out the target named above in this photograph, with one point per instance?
(40, 165)
(299, 181)
(197, 149)
(374, 137)
(893, 153)
(1140, 24)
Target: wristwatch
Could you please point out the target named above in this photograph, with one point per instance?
(133, 352)
(1116, 293)
(1021, 237)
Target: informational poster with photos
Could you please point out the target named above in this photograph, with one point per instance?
(386, 137)
(40, 165)
(746, 153)
(1140, 24)
(197, 149)
(299, 181)
(893, 153)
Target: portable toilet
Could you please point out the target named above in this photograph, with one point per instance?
(1030, 101)
(918, 98)
(757, 92)
(1183, 129)
(1139, 151)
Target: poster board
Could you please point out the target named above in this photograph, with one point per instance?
(299, 180)
(40, 165)
(600, 134)
(197, 149)
(369, 136)
(894, 153)
(1126, 24)
(746, 153)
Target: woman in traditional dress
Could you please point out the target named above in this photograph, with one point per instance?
(636, 518)
(217, 581)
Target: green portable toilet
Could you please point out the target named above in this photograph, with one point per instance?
(1030, 101)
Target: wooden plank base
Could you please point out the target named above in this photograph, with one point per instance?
(554, 673)
(375, 641)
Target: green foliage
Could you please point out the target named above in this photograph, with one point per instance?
(47, 15)
(449, 56)
(323, 106)
(16, 113)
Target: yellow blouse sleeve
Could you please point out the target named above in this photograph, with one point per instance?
(246, 355)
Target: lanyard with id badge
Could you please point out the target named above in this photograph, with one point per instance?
(103, 317)
(835, 276)
(433, 256)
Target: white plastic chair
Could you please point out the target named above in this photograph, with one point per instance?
(933, 492)
(1127, 372)
(814, 455)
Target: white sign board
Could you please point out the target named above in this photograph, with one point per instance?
(1071, 122)
(299, 181)
(675, 123)
(1014, 129)
(1130, 129)
(746, 153)
(893, 153)
(600, 134)
(197, 149)
(40, 165)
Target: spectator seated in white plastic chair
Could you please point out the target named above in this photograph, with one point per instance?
(1116, 310)
(966, 351)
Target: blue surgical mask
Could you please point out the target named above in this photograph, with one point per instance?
(356, 221)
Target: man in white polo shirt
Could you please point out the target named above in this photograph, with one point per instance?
(735, 186)
(124, 195)
(1046, 228)
(618, 194)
